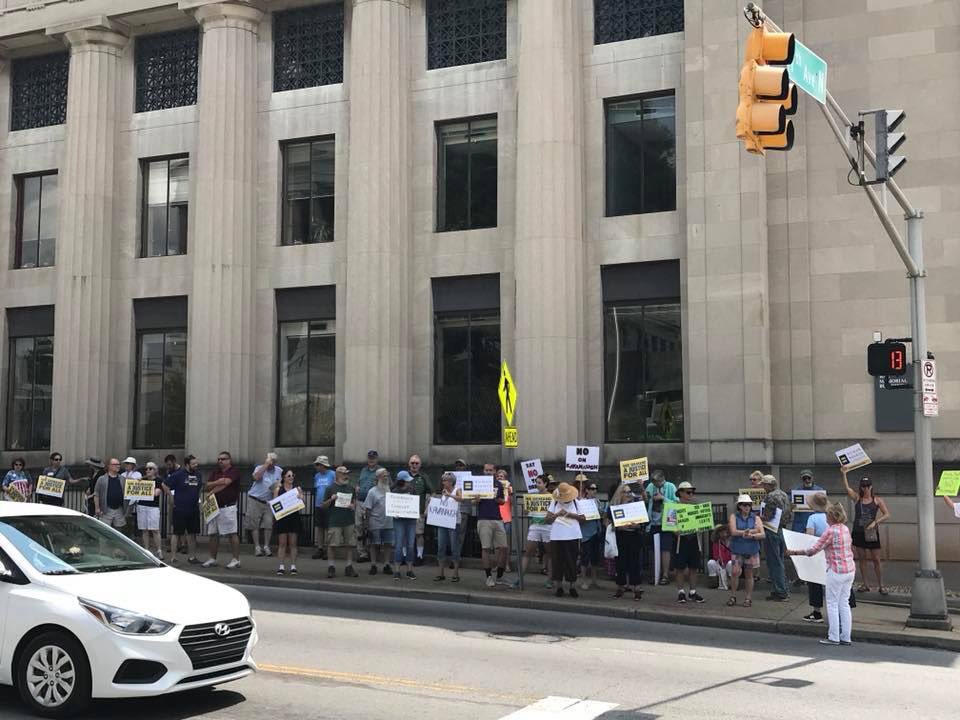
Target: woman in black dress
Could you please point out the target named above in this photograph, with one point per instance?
(869, 511)
(288, 527)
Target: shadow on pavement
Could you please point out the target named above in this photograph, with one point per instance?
(179, 706)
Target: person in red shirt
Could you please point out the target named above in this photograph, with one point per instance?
(224, 483)
(720, 564)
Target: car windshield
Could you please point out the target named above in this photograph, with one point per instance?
(69, 544)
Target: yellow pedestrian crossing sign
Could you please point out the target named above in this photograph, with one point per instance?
(507, 392)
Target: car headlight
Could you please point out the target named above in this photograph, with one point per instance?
(124, 621)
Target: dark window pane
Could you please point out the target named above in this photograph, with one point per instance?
(307, 384)
(467, 366)
(38, 91)
(616, 20)
(161, 389)
(308, 192)
(483, 174)
(30, 384)
(641, 155)
(467, 182)
(179, 196)
(37, 218)
(166, 193)
(322, 397)
(30, 221)
(308, 47)
(167, 66)
(462, 32)
(49, 220)
(174, 389)
(643, 373)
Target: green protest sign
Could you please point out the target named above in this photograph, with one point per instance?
(685, 518)
(949, 483)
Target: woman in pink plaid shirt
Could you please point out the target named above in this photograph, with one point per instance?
(837, 545)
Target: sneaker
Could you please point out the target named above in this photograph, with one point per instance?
(681, 597)
(828, 642)
(372, 570)
(233, 564)
(387, 569)
(697, 597)
(396, 577)
(350, 572)
(558, 592)
(194, 561)
(573, 592)
(846, 642)
(281, 571)
(331, 572)
(814, 617)
(258, 551)
(293, 569)
(439, 578)
(410, 575)
(502, 581)
(209, 563)
(490, 581)
(266, 551)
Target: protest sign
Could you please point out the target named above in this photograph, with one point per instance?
(476, 486)
(687, 518)
(343, 500)
(956, 510)
(756, 494)
(286, 503)
(209, 508)
(531, 469)
(51, 486)
(801, 499)
(14, 494)
(636, 470)
(629, 514)
(404, 505)
(443, 512)
(949, 484)
(138, 489)
(589, 509)
(773, 522)
(583, 458)
(853, 457)
(536, 505)
(813, 568)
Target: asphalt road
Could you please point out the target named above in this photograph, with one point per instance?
(347, 657)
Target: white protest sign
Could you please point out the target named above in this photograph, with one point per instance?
(476, 486)
(813, 568)
(634, 513)
(589, 509)
(286, 503)
(343, 500)
(443, 512)
(956, 509)
(801, 498)
(404, 505)
(853, 457)
(582, 458)
(774, 522)
(532, 469)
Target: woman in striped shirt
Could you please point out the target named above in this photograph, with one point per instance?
(837, 545)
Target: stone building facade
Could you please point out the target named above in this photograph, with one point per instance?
(318, 226)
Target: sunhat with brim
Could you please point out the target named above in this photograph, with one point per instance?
(566, 493)
(818, 502)
(95, 462)
(322, 460)
(744, 500)
(685, 485)
(129, 460)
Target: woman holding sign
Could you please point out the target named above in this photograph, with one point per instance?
(288, 527)
(404, 530)
(448, 549)
(746, 532)
(16, 483)
(564, 518)
(629, 542)
(869, 512)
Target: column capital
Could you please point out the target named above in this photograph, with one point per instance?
(243, 14)
(93, 33)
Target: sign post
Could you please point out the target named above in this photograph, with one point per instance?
(507, 392)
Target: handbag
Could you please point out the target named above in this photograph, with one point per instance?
(610, 543)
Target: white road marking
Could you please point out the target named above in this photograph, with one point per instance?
(561, 708)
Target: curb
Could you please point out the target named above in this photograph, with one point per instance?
(781, 627)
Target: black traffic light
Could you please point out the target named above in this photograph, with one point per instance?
(887, 358)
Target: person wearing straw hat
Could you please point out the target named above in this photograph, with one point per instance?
(686, 555)
(564, 518)
(816, 525)
(746, 532)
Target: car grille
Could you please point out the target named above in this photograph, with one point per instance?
(206, 649)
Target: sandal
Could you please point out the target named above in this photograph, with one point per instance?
(863, 589)
(748, 603)
(732, 601)
(883, 590)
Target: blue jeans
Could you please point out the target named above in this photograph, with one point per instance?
(404, 531)
(775, 550)
(447, 545)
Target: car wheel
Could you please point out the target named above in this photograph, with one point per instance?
(53, 676)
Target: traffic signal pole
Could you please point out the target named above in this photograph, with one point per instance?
(928, 605)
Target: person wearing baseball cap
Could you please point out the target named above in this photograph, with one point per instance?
(686, 555)
(404, 531)
(365, 482)
(806, 485)
(746, 532)
(340, 502)
(322, 479)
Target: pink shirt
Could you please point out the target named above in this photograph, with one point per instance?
(836, 545)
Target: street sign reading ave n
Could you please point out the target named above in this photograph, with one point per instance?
(808, 72)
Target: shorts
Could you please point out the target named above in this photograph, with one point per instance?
(186, 522)
(289, 524)
(148, 518)
(341, 536)
(746, 561)
(421, 526)
(492, 534)
(590, 551)
(539, 533)
(114, 517)
(257, 516)
(380, 537)
(687, 553)
(225, 523)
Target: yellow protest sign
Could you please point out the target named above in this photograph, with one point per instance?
(14, 494)
(209, 509)
(51, 486)
(636, 470)
(756, 494)
(949, 483)
(507, 392)
(138, 489)
(537, 503)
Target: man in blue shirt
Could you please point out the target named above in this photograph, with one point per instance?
(322, 479)
(184, 485)
(806, 485)
(258, 515)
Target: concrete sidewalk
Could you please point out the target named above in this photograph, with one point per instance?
(872, 622)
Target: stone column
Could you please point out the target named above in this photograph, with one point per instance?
(376, 328)
(82, 382)
(548, 352)
(221, 338)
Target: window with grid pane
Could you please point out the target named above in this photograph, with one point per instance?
(38, 91)
(308, 191)
(467, 174)
(166, 70)
(616, 20)
(161, 389)
(308, 47)
(37, 220)
(463, 32)
(166, 194)
(29, 393)
(307, 383)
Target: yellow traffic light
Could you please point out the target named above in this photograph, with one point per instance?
(767, 96)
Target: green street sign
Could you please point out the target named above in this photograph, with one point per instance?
(809, 72)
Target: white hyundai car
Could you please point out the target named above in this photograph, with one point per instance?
(86, 613)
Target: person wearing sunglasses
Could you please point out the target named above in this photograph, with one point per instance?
(56, 469)
(868, 512)
(686, 556)
(16, 483)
